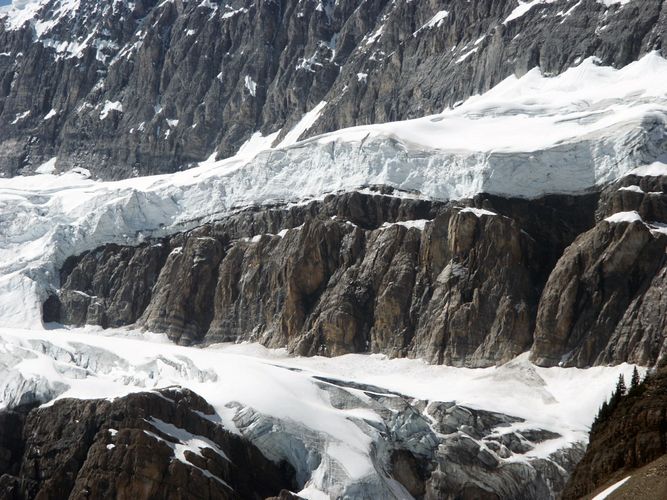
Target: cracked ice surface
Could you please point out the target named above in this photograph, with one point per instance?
(304, 410)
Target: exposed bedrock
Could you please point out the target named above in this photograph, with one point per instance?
(604, 302)
(466, 283)
(352, 273)
(146, 445)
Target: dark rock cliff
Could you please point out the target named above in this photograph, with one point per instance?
(470, 283)
(135, 447)
(126, 88)
(352, 273)
(604, 301)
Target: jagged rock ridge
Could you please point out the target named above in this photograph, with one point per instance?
(163, 444)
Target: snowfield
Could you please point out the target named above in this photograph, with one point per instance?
(242, 378)
(526, 137)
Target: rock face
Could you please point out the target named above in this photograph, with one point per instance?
(470, 283)
(348, 274)
(129, 88)
(604, 301)
(632, 436)
(145, 445)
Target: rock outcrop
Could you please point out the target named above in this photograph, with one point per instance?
(127, 88)
(162, 444)
(604, 300)
(633, 435)
(470, 283)
(353, 273)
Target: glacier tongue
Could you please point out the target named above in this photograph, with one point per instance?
(338, 421)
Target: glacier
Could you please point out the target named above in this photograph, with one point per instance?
(315, 412)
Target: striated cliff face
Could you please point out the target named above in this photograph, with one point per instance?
(603, 302)
(125, 88)
(464, 283)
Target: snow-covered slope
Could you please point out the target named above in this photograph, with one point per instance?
(280, 402)
(526, 137)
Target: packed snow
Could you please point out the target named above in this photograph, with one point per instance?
(236, 378)
(525, 5)
(631, 216)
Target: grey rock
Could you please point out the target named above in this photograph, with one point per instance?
(193, 79)
(125, 449)
(343, 275)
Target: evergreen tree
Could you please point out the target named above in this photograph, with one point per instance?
(635, 381)
(621, 389)
(618, 394)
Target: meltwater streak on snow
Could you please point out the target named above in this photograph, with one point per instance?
(526, 137)
(86, 363)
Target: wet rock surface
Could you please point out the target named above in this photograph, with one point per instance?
(128, 88)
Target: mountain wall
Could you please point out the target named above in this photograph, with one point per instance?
(575, 279)
(147, 445)
(131, 88)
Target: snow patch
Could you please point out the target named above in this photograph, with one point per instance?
(110, 106)
(479, 212)
(251, 85)
(655, 169)
(48, 167)
(435, 22)
(621, 217)
(304, 125)
(604, 494)
(418, 224)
